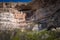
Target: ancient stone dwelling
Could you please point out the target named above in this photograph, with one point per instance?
(11, 18)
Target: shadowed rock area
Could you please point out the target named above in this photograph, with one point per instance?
(47, 11)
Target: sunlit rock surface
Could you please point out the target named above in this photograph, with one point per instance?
(11, 19)
(7, 21)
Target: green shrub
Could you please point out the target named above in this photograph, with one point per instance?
(18, 35)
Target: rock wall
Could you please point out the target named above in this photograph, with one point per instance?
(46, 12)
(45, 7)
(11, 18)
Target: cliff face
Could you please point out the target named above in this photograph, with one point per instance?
(47, 12)
(45, 7)
(11, 19)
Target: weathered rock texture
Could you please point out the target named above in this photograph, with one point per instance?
(45, 7)
(47, 11)
(9, 21)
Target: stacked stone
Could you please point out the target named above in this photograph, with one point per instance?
(7, 21)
